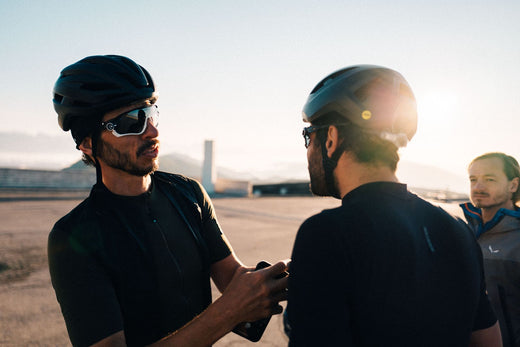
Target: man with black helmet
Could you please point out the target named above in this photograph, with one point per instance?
(386, 268)
(131, 265)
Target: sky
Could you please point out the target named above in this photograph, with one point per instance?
(239, 72)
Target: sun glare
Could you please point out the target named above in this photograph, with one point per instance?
(436, 107)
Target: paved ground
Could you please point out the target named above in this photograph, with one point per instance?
(258, 228)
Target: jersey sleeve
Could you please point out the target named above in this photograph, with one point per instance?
(218, 245)
(86, 296)
(314, 280)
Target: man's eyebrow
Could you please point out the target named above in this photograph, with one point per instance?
(485, 175)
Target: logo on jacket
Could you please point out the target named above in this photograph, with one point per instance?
(493, 250)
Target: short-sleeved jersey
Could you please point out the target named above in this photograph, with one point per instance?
(138, 264)
(386, 268)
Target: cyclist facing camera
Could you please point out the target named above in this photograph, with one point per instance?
(494, 217)
(131, 265)
(399, 271)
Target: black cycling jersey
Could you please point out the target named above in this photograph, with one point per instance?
(386, 269)
(138, 264)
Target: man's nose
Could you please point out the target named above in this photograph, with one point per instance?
(479, 185)
(151, 130)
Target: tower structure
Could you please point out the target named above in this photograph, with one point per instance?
(209, 172)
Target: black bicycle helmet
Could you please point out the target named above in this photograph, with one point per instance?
(95, 85)
(373, 97)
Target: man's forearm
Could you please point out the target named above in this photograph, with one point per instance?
(205, 329)
(489, 337)
(249, 296)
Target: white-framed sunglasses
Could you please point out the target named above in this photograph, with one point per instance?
(133, 122)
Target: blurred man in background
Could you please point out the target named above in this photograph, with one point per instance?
(495, 219)
(386, 268)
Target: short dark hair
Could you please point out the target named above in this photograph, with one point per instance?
(87, 160)
(366, 146)
(510, 167)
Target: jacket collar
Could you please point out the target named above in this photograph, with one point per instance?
(474, 217)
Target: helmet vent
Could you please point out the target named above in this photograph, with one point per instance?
(99, 86)
(329, 78)
(58, 98)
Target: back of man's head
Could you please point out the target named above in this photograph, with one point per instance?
(373, 108)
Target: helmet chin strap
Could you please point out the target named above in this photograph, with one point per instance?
(329, 164)
(95, 138)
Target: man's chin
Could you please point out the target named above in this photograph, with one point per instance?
(477, 203)
(144, 171)
(318, 190)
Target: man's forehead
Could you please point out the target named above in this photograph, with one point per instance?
(126, 108)
(487, 166)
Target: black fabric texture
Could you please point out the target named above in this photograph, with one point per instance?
(386, 268)
(133, 263)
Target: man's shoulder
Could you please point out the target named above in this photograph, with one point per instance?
(506, 221)
(177, 180)
(335, 219)
(513, 214)
(80, 218)
(81, 211)
(172, 177)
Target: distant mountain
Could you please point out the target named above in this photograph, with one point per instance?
(19, 150)
(181, 164)
(413, 174)
(431, 177)
(40, 151)
(39, 143)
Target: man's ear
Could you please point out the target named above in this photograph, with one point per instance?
(332, 140)
(86, 146)
(514, 184)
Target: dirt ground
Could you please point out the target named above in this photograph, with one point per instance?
(258, 228)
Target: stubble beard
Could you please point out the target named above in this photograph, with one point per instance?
(496, 202)
(318, 186)
(123, 161)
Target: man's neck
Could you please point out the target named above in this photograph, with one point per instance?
(489, 212)
(123, 183)
(351, 174)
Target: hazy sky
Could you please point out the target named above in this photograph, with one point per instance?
(240, 71)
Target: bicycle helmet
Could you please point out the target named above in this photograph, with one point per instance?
(95, 85)
(373, 97)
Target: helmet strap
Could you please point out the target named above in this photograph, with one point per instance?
(95, 139)
(329, 164)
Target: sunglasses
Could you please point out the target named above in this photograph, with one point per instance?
(132, 122)
(309, 130)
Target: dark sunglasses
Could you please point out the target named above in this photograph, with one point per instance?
(309, 130)
(132, 122)
(313, 128)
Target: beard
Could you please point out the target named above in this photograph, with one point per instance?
(488, 201)
(318, 185)
(123, 160)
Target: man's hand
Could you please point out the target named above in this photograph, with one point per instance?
(248, 296)
(252, 295)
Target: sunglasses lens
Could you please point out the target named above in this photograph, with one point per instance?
(134, 122)
(131, 123)
(306, 137)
